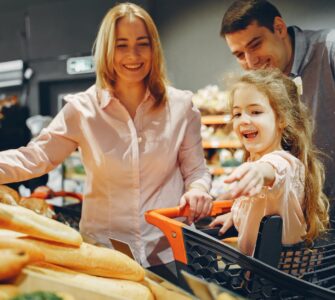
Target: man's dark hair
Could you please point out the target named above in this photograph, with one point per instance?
(243, 12)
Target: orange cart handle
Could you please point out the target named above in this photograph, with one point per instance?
(163, 218)
(47, 194)
(219, 207)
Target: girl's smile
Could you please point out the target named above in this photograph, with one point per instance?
(254, 121)
(249, 134)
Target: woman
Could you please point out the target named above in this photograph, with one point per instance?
(139, 140)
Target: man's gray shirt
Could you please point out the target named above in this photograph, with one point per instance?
(314, 61)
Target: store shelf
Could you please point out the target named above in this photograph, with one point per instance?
(73, 168)
(216, 170)
(75, 176)
(220, 170)
(215, 120)
(221, 144)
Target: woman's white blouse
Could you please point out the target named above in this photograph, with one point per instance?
(132, 165)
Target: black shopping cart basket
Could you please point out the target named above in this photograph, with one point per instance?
(68, 214)
(279, 272)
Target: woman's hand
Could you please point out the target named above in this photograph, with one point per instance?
(200, 204)
(249, 179)
(225, 220)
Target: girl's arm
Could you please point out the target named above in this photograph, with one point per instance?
(226, 220)
(248, 179)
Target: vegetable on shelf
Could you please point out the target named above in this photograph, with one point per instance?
(39, 295)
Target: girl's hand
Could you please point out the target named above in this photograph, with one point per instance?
(249, 179)
(225, 220)
(200, 204)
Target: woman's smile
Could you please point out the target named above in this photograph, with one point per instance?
(133, 67)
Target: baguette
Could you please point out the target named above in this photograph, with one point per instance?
(8, 291)
(26, 221)
(91, 259)
(11, 263)
(162, 293)
(35, 254)
(118, 288)
(10, 233)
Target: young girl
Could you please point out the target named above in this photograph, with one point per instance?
(282, 174)
(139, 140)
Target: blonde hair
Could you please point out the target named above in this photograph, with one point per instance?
(296, 138)
(104, 45)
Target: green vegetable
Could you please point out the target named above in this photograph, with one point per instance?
(37, 296)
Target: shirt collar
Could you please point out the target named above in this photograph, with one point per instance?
(300, 45)
(106, 96)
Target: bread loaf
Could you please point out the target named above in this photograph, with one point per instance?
(91, 259)
(8, 195)
(123, 289)
(26, 221)
(35, 254)
(225, 296)
(37, 205)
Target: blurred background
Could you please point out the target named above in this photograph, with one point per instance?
(45, 53)
(45, 34)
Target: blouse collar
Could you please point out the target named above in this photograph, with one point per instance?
(106, 96)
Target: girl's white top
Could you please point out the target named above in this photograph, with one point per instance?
(285, 198)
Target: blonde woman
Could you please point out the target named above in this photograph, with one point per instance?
(283, 174)
(139, 140)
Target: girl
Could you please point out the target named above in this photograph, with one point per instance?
(139, 140)
(282, 174)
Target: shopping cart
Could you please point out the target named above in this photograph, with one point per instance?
(275, 272)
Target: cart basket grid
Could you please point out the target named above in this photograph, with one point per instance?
(300, 271)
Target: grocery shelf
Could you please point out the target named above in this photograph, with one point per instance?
(215, 119)
(221, 144)
(216, 170)
(75, 176)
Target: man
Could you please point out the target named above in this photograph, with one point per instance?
(258, 37)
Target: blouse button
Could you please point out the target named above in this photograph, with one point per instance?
(139, 139)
